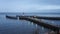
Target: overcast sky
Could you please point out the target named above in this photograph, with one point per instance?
(29, 5)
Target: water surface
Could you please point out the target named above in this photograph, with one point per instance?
(10, 26)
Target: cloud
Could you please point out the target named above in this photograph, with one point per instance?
(28, 5)
(38, 7)
(31, 8)
(48, 7)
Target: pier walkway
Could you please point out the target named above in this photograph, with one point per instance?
(40, 22)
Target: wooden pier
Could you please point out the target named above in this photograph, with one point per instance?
(39, 22)
(11, 17)
(47, 18)
(44, 17)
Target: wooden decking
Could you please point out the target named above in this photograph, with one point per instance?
(39, 22)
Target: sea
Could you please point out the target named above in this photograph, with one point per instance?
(11, 26)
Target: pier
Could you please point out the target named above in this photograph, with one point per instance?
(39, 22)
(44, 17)
(11, 17)
(47, 18)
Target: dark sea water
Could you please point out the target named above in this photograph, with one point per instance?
(10, 26)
